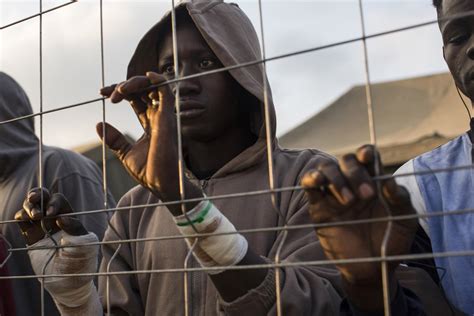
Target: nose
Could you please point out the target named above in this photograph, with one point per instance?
(188, 86)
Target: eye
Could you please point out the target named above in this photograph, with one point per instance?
(207, 63)
(458, 39)
(167, 69)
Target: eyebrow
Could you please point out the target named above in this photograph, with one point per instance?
(202, 50)
(454, 23)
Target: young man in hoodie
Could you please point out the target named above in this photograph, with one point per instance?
(66, 172)
(225, 152)
(450, 191)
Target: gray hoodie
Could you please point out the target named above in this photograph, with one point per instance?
(305, 290)
(71, 174)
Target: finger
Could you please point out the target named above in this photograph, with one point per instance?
(153, 96)
(398, 198)
(134, 86)
(24, 219)
(357, 176)
(337, 183)
(114, 140)
(312, 182)
(369, 156)
(72, 226)
(166, 97)
(34, 195)
(117, 95)
(32, 204)
(140, 108)
(31, 231)
(58, 204)
(107, 91)
(146, 100)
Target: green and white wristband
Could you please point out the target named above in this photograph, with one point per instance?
(214, 250)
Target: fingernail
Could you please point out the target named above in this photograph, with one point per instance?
(347, 194)
(35, 213)
(366, 191)
(49, 211)
(66, 221)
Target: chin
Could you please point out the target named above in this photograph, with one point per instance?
(468, 91)
(196, 134)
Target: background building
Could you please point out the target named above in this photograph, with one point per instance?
(412, 116)
(118, 179)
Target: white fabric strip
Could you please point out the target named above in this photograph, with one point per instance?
(221, 250)
(409, 182)
(73, 295)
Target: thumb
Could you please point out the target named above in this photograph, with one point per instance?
(398, 197)
(113, 139)
(71, 226)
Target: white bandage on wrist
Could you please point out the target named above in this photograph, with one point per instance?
(219, 250)
(70, 292)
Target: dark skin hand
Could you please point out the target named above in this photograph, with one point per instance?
(153, 159)
(32, 214)
(153, 162)
(352, 195)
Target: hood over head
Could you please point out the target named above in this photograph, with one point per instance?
(232, 37)
(17, 139)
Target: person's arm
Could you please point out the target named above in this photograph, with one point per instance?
(73, 295)
(346, 191)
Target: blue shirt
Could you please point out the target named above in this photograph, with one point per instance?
(448, 191)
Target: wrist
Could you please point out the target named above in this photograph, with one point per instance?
(368, 297)
(225, 248)
(92, 306)
(171, 193)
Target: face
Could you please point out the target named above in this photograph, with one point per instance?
(458, 39)
(209, 104)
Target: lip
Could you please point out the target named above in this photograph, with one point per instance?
(190, 109)
(470, 75)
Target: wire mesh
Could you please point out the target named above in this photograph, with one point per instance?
(272, 191)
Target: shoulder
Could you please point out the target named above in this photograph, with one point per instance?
(443, 154)
(63, 163)
(302, 159)
(137, 195)
(291, 165)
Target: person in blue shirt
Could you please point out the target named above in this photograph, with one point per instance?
(450, 191)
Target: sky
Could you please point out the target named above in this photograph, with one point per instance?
(302, 85)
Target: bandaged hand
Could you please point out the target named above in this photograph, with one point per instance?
(68, 292)
(226, 248)
(73, 295)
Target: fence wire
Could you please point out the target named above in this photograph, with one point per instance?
(188, 268)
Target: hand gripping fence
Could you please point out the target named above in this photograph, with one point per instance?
(278, 265)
